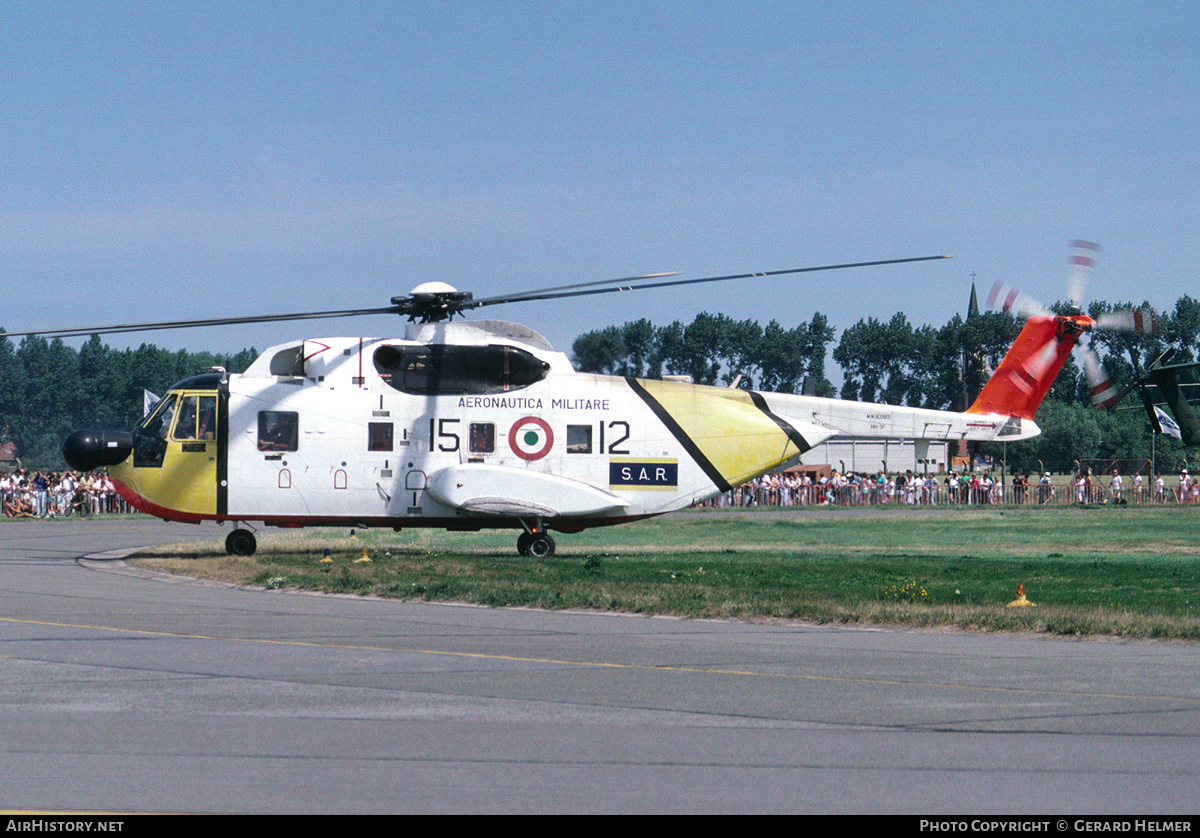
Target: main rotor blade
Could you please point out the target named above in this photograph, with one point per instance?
(191, 324)
(532, 295)
(576, 290)
(551, 293)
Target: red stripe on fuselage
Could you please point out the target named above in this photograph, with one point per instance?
(567, 525)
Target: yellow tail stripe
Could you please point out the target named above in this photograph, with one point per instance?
(729, 435)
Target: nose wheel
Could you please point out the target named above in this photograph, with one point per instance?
(240, 543)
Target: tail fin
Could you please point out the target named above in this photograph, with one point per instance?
(1023, 378)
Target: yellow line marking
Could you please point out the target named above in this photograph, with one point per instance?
(601, 664)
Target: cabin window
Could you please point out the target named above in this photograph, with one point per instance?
(278, 430)
(456, 370)
(379, 436)
(579, 439)
(481, 437)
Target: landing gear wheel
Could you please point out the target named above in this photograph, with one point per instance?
(523, 543)
(541, 546)
(240, 543)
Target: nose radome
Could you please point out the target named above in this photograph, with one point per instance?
(88, 450)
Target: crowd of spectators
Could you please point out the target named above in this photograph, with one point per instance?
(960, 488)
(52, 494)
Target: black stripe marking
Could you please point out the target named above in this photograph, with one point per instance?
(686, 441)
(794, 435)
(223, 448)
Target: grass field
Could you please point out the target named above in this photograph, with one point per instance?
(1091, 571)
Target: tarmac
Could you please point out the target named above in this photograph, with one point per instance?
(124, 691)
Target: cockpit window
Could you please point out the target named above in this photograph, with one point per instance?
(433, 370)
(197, 418)
(150, 435)
(158, 420)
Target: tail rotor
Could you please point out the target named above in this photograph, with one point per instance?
(1070, 327)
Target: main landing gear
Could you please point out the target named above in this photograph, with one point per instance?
(535, 542)
(240, 543)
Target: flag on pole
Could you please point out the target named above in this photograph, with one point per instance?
(1167, 424)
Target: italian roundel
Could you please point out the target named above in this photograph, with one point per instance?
(530, 438)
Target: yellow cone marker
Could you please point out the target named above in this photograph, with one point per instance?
(363, 558)
(1020, 601)
(326, 559)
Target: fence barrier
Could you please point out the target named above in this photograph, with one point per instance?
(940, 494)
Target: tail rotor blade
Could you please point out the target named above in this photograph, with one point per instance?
(1083, 260)
(1007, 298)
(1104, 393)
(1040, 363)
(1138, 320)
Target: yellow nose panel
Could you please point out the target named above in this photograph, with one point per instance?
(186, 482)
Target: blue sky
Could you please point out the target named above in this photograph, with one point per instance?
(166, 160)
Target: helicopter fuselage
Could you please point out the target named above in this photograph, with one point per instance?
(470, 425)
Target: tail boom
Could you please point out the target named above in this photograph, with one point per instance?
(864, 420)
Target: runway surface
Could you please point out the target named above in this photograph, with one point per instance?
(123, 692)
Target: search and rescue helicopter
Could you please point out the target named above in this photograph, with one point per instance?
(465, 425)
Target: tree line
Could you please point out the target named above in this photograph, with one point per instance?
(48, 389)
(894, 362)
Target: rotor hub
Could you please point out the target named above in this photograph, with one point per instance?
(432, 302)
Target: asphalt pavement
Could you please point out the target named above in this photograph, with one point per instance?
(122, 691)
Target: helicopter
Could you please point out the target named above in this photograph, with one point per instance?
(1182, 423)
(473, 424)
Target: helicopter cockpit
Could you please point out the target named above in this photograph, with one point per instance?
(185, 416)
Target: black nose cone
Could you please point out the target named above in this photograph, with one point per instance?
(88, 450)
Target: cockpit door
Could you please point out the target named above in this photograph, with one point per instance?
(180, 453)
(193, 449)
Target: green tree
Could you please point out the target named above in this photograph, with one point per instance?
(48, 390)
(1070, 432)
(12, 390)
(712, 348)
(52, 396)
(881, 361)
(787, 356)
(619, 350)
